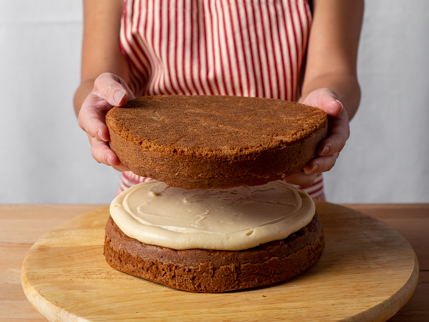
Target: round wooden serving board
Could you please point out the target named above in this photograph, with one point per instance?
(366, 273)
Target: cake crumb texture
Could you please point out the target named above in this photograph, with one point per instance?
(201, 142)
(199, 270)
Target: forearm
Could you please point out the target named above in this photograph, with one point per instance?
(332, 51)
(101, 51)
(344, 85)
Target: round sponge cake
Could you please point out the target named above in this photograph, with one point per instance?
(212, 271)
(213, 240)
(203, 142)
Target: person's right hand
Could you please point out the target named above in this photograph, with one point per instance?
(109, 90)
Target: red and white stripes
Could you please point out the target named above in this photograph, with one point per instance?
(316, 190)
(129, 179)
(251, 48)
(215, 47)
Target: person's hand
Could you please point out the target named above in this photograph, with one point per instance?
(109, 90)
(330, 148)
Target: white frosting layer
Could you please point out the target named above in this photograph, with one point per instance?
(232, 219)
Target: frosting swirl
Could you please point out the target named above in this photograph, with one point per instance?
(222, 219)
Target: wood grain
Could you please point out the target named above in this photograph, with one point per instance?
(367, 272)
(20, 227)
(411, 220)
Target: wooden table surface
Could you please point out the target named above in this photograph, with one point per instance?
(22, 225)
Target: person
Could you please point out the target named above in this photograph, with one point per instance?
(297, 50)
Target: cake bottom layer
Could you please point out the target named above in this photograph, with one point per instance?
(212, 271)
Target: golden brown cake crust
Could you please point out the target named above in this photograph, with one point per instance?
(201, 142)
(199, 270)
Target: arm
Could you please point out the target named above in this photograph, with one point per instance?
(330, 79)
(332, 51)
(104, 73)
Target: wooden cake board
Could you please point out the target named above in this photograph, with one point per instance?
(367, 272)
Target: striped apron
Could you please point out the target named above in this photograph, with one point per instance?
(252, 48)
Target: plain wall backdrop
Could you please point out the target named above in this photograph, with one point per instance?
(45, 156)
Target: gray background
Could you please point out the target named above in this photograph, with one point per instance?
(45, 156)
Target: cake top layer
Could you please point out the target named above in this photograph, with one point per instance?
(205, 125)
(221, 219)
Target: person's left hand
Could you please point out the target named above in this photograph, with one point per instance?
(330, 148)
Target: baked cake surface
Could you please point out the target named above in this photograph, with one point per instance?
(201, 142)
(200, 270)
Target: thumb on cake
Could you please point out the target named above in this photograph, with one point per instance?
(113, 89)
(325, 99)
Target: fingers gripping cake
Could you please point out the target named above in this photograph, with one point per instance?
(244, 233)
(201, 142)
